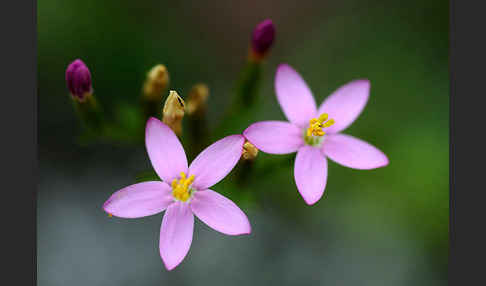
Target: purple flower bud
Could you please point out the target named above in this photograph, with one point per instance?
(263, 36)
(78, 79)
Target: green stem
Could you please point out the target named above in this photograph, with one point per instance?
(198, 133)
(90, 113)
(247, 89)
(240, 113)
(243, 171)
(151, 107)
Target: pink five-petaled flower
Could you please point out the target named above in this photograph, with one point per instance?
(184, 191)
(312, 135)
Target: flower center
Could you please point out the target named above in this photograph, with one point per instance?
(181, 189)
(314, 133)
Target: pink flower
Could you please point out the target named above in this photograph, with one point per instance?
(183, 192)
(312, 135)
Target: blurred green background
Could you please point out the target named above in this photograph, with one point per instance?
(383, 227)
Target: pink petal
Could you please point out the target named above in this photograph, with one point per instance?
(294, 96)
(352, 152)
(216, 161)
(176, 234)
(275, 137)
(310, 173)
(139, 200)
(165, 151)
(345, 104)
(220, 213)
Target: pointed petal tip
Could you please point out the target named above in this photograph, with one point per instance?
(150, 122)
(105, 205)
(151, 118)
(362, 81)
(168, 266)
(283, 66)
(247, 231)
(385, 163)
(311, 202)
(243, 233)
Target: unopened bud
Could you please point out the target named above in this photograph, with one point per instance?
(156, 82)
(78, 79)
(173, 112)
(262, 38)
(198, 96)
(250, 152)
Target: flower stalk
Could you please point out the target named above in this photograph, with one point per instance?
(262, 40)
(78, 80)
(246, 91)
(89, 113)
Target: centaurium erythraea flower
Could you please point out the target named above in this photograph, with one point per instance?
(183, 192)
(314, 133)
(262, 37)
(78, 80)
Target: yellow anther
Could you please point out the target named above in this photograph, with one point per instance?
(316, 125)
(181, 188)
(323, 117)
(328, 123)
(110, 215)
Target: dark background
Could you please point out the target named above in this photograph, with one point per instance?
(383, 227)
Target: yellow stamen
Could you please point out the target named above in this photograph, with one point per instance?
(323, 117)
(181, 188)
(329, 123)
(110, 215)
(316, 125)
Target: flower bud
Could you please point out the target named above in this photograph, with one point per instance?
(198, 96)
(78, 79)
(250, 152)
(173, 112)
(263, 37)
(156, 82)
